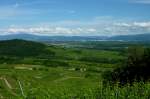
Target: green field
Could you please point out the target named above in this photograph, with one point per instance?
(63, 72)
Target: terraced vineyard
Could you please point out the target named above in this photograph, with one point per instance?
(59, 72)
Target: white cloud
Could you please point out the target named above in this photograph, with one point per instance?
(142, 24)
(72, 11)
(123, 24)
(133, 27)
(7, 12)
(21, 9)
(16, 5)
(91, 30)
(48, 31)
(141, 1)
(134, 24)
(97, 26)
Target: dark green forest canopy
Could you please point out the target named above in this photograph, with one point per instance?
(22, 48)
(135, 68)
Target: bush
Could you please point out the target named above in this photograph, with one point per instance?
(99, 60)
(55, 63)
(136, 68)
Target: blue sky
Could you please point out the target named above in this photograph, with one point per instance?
(75, 17)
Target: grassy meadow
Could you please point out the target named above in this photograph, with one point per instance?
(69, 70)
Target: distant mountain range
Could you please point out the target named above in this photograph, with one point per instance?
(51, 38)
(137, 37)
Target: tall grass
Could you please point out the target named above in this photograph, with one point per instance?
(136, 91)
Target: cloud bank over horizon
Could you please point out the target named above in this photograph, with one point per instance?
(75, 17)
(96, 27)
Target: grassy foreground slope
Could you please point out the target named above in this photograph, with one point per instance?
(37, 71)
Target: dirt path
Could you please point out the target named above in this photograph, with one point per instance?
(1, 97)
(22, 92)
(7, 83)
(66, 78)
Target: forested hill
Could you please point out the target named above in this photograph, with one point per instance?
(21, 48)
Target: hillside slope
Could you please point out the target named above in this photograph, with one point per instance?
(21, 48)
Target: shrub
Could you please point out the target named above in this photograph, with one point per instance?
(135, 68)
